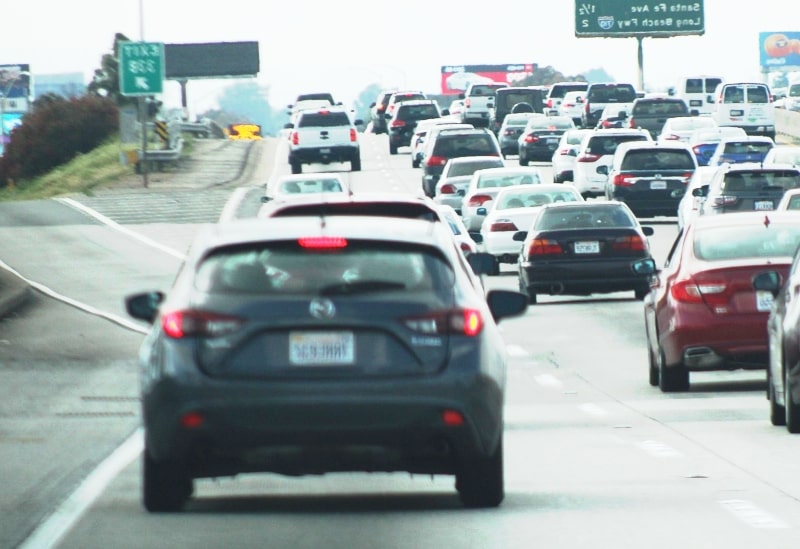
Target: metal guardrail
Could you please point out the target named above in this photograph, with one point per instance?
(788, 123)
(157, 159)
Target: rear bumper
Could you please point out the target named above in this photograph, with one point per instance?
(337, 153)
(582, 277)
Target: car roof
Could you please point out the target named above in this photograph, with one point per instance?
(244, 231)
(471, 159)
(661, 145)
(754, 218)
(357, 204)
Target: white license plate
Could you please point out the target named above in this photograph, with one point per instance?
(695, 103)
(737, 112)
(325, 151)
(321, 348)
(764, 300)
(552, 140)
(658, 185)
(763, 205)
(587, 247)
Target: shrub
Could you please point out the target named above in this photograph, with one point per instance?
(54, 132)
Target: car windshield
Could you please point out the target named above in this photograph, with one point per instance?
(324, 119)
(528, 199)
(758, 180)
(458, 169)
(490, 181)
(606, 215)
(295, 267)
(746, 241)
(649, 159)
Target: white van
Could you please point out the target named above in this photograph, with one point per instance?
(747, 105)
(698, 92)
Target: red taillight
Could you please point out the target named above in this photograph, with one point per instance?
(545, 246)
(510, 132)
(502, 225)
(631, 123)
(192, 420)
(353, 135)
(690, 291)
(723, 201)
(437, 161)
(630, 243)
(687, 176)
(697, 150)
(586, 108)
(295, 138)
(672, 137)
(452, 418)
(478, 200)
(466, 248)
(549, 103)
(623, 180)
(587, 157)
(398, 123)
(531, 138)
(448, 188)
(179, 324)
(322, 242)
(567, 105)
(467, 102)
(607, 123)
(468, 322)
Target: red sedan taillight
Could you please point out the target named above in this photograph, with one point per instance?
(690, 291)
(544, 246)
(448, 188)
(502, 225)
(295, 138)
(437, 161)
(353, 135)
(193, 323)
(623, 180)
(531, 138)
(468, 322)
(587, 157)
(478, 200)
(631, 243)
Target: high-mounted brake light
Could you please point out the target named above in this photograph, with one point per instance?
(322, 242)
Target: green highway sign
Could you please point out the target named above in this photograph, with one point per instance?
(621, 18)
(141, 68)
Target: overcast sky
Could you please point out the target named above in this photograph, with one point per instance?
(342, 46)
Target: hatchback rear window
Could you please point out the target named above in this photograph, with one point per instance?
(410, 112)
(468, 145)
(659, 108)
(745, 147)
(658, 159)
(356, 268)
(607, 144)
(459, 169)
(558, 91)
(583, 218)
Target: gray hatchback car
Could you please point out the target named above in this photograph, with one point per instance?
(308, 345)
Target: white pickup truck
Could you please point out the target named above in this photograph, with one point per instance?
(478, 101)
(323, 135)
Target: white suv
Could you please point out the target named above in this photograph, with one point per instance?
(478, 101)
(595, 155)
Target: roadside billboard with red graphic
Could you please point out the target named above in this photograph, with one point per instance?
(779, 50)
(456, 78)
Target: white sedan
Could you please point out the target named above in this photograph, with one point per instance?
(456, 174)
(514, 209)
(484, 186)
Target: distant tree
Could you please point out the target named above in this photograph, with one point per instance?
(598, 75)
(548, 75)
(105, 82)
(361, 105)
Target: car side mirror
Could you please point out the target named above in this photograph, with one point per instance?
(572, 152)
(265, 199)
(622, 115)
(645, 266)
(445, 112)
(288, 126)
(710, 98)
(371, 105)
(602, 170)
(477, 238)
(387, 116)
(144, 306)
(648, 231)
(482, 210)
(700, 191)
(769, 281)
(520, 236)
(358, 122)
(506, 303)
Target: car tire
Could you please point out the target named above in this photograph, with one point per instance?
(392, 149)
(297, 167)
(672, 380)
(777, 413)
(640, 293)
(165, 485)
(355, 163)
(792, 410)
(414, 163)
(523, 160)
(653, 369)
(531, 295)
(480, 482)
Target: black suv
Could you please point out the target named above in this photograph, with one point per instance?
(651, 177)
(650, 113)
(454, 143)
(404, 121)
(528, 99)
(600, 95)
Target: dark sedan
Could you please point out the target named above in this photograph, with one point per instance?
(703, 313)
(540, 138)
(304, 345)
(583, 248)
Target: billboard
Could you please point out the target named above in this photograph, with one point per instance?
(779, 50)
(211, 60)
(616, 18)
(456, 78)
(15, 84)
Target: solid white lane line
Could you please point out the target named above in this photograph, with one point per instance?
(57, 525)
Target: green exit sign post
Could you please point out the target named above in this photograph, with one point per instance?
(141, 68)
(625, 18)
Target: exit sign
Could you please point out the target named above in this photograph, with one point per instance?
(141, 68)
(620, 18)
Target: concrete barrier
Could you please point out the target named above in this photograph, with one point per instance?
(787, 123)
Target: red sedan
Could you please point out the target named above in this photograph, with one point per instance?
(703, 313)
